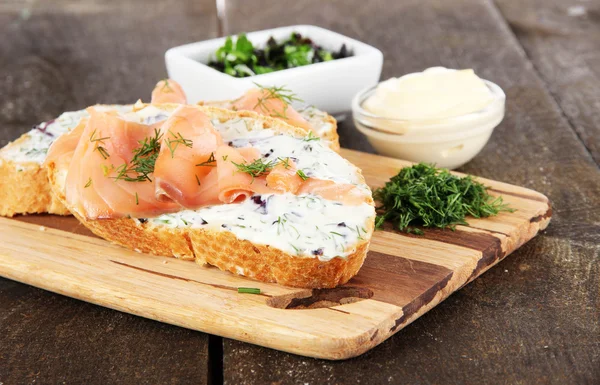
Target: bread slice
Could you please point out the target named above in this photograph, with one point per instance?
(325, 124)
(221, 247)
(24, 187)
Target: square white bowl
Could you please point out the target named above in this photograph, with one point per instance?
(329, 86)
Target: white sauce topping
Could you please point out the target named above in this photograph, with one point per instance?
(316, 118)
(305, 225)
(149, 114)
(35, 147)
(310, 155)
(39, 139)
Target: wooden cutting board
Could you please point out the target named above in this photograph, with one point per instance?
(403, 276)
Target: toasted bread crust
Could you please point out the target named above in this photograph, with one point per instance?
(24, 187)
(331, 136)
(225, 251)
(222, 248)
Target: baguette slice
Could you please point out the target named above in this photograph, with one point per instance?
(24, 185)
(325, 125)
(220, 247)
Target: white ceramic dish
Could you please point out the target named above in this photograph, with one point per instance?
(329, 86)
(448, 143)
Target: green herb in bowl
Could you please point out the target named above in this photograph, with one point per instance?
(423, 195)
(238, 57)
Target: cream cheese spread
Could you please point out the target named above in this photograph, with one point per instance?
(316, 118)
(34, 147)
(302, 225)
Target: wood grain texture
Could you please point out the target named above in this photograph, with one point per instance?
(63, 55)
(492, 331)
(66, 55)
(531, 320)
(562, 39)
(404, 277)
(51, 339)
(481, 334)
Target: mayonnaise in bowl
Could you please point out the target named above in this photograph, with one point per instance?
(440, 115)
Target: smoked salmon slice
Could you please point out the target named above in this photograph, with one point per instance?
(235, 185)
(285, 177)
(330, 190)
(187, 155)
(101, 181)
(119, 167)
(61, 151)
(273, 102)
(168, 91)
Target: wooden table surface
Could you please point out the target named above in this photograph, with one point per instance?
(532, 319)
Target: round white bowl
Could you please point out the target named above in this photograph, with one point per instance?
(447, 143)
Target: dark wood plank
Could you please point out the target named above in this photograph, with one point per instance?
(50, 339)
(491, 332)
(522, 322)
(64, 55)
(562, 39)
(400, 281)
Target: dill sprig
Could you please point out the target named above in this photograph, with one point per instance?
(285, 162)
(423, 195)
(98, 142)
(102, 152)
(256, 168)
(101, 140)
(211, 161)
(302, 175)
(311, 136)
(248, 290)
(276, 93)
(143, 161)
(173, 143)
(166, 87)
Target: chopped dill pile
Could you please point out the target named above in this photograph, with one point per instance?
(423, 195)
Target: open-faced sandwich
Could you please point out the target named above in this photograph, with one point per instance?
(24, 185)
(245, 192)
(276, 102)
